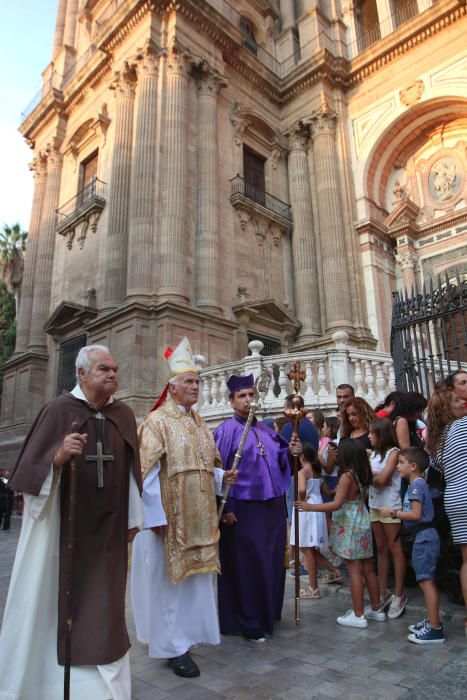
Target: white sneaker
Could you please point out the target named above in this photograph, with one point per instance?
(376, 615)
(350, 619)
(397, 606)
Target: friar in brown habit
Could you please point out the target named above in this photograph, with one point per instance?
(108, 513)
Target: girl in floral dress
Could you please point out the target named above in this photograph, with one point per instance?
(351, 532)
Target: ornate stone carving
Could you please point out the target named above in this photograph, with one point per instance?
(81, 231)
(147, 60)
(210, 81)
(406, 260)
(399, 192)
(244, 219)
(412, 94)
(297, 136)
(275, 156)
(181, 61)
(239, 123)
(443, 180)
(124, 81)
(323, 121)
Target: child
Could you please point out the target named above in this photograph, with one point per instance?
(385, 493)
(418, 513)
(351, 532)
(313, 532)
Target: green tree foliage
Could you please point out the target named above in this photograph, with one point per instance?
(12, 238)
(7, 326)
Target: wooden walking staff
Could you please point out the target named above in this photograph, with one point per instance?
(69, 570)
(261, 387)
(295, 415)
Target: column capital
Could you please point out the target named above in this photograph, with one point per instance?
(147, 60)
(297, 136)
(209, 81)
(323, 121)
(124, 81)
(180, 61)
(53, 153)
(38, 165)
(406, 260)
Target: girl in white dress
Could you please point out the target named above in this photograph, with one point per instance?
(313, 533)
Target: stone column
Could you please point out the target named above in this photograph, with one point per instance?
(23, 322)
(142, 222)
(303, 243)
(69, 35)
(287, 14)
(331, 228)
(287, 271)
(59, 27)
(174, 234)
(43, 268)
(119, 191)
(406, 260)
(207, 242)
(387, 20)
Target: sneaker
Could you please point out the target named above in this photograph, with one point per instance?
(428, 635)
(419, 625)
(385, 599)
(254, 636)
(397, 606)
(350, 619)
(301, 571)
(376, 615)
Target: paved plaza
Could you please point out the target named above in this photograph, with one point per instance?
(318, 659)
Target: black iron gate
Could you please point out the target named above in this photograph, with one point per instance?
(428, 334)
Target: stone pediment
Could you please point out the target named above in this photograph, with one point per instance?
(267, 312)
(403, 218)
(68, 316)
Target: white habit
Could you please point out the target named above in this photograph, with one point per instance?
(28, 641)
(169, 617)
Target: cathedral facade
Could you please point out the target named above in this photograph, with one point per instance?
(230, 171)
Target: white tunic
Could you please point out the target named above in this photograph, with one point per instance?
(169, 617)
(28, 642)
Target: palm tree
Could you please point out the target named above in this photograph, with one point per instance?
(12, 247)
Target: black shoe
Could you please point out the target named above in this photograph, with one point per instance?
(255, 636)
(184, 666)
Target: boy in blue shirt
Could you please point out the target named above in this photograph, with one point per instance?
(418, 514)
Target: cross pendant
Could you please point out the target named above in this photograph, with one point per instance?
(261, 448)
(100, 458)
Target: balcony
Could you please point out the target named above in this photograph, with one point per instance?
(370, 373)
(243, 194)
(81, 213)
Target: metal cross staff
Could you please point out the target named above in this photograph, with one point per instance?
(295, 415)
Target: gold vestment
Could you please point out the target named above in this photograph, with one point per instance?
(185, 448)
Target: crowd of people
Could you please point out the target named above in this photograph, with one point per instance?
(362, 490)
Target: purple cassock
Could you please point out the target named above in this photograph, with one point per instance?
(251, 586)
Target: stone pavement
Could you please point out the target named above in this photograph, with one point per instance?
(318, 659)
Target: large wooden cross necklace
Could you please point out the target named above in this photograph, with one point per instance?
(100, 457)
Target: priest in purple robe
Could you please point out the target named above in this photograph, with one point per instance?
(253, 524)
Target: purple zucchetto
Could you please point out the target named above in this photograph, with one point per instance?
(235, 382)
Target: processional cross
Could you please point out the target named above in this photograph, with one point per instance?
(100, 457)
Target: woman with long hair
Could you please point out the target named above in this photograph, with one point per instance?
(457, 381)
(447, 445)
(356, 415)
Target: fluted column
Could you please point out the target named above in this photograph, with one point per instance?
(207, 242)
(287, 271)
(287, 14)
(303, 243)
(43, 267)
(23, 322)
(331, 228)
(141, 225)
(59, 27)
(174, 234)
(119, 192)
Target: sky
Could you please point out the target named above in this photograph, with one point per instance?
(26, 38)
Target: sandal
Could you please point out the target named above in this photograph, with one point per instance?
(336, 577)
(309, 592)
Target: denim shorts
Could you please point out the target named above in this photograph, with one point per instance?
(425, 555)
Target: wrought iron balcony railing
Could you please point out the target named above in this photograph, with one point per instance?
(81, 213)
(239, 186)
(93, 192)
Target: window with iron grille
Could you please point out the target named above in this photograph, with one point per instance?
(66, 379)
(271, 345)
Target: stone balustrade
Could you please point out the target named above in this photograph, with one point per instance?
(371, 373)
